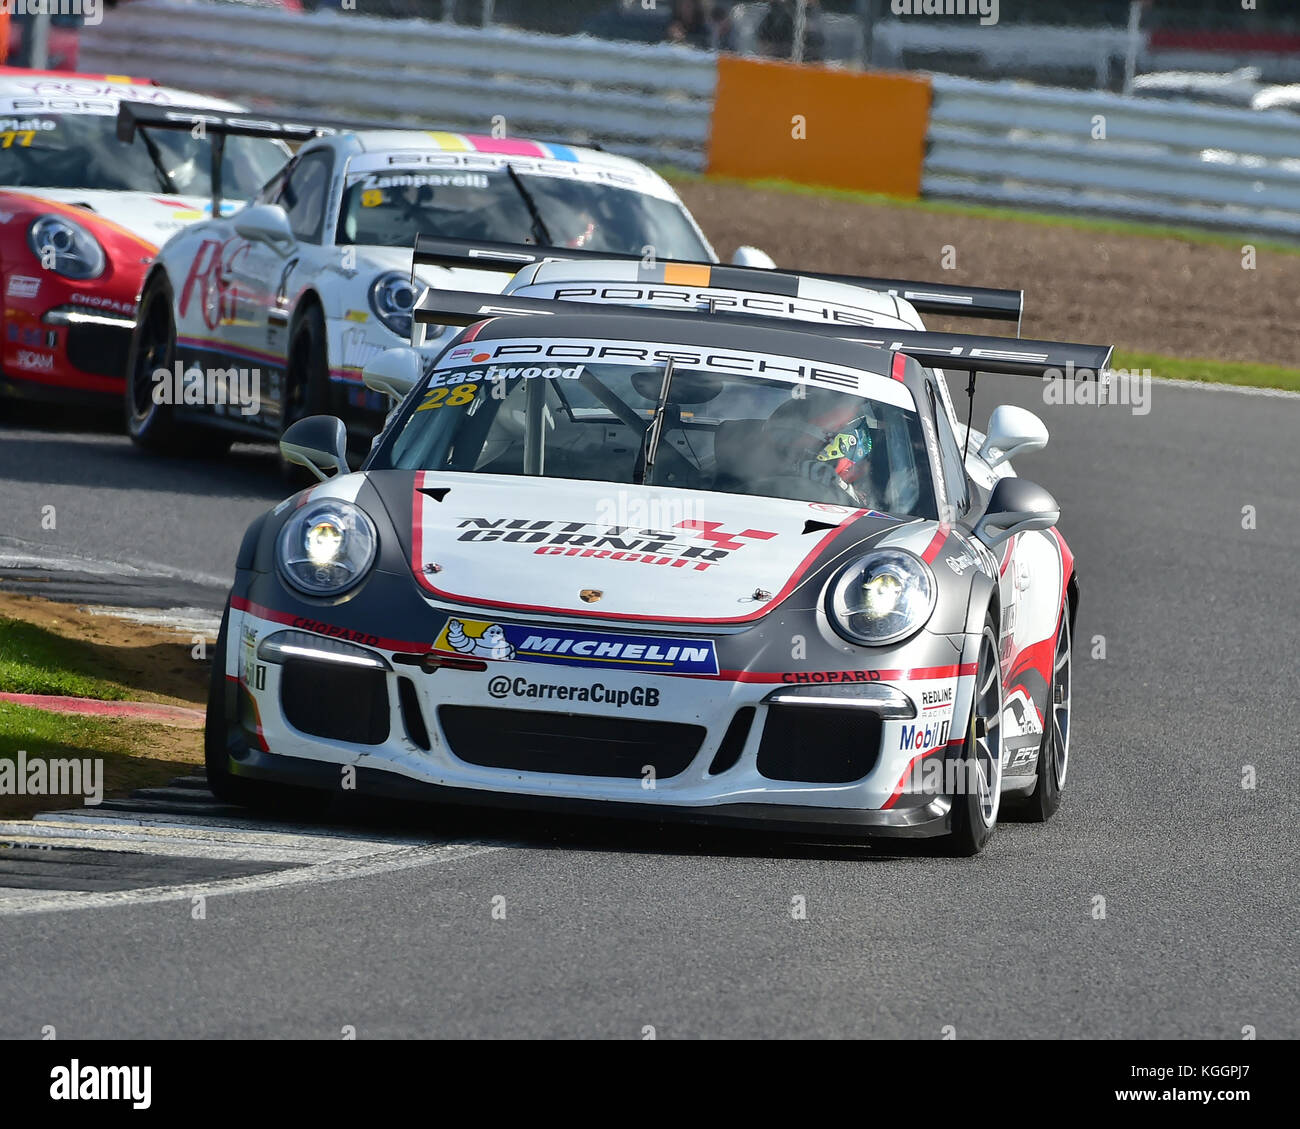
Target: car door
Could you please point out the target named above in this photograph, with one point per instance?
(263, 273)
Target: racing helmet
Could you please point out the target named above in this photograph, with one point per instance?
(849, 449)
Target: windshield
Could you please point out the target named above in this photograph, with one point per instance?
(389, 208)
(732, 432)
(82, 151)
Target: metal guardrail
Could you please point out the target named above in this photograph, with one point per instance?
(1002, 46)
(1001, 142)
(648, 101)
(1166, 161)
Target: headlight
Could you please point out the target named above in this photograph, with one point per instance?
(327, 547)
(65, 247)
(882, 598)
(392, 298)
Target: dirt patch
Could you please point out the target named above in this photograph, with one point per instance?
(157, 664)
(1146, 294)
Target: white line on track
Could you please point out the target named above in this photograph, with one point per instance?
(1240, 389)
(310, 856)
(16, 553)
(184, 620)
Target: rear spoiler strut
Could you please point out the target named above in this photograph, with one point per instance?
(215, 123)
(1013, 356)
(927, 297)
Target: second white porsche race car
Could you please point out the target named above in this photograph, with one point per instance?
(299, 290)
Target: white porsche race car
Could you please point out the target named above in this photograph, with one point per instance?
(685, 493)
(299, 290)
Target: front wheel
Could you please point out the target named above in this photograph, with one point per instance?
(1054, 752)
(222, 719)
(151, 424)
(978, 792)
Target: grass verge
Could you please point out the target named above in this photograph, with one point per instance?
(1211, 372)
(131, 754)
(35, 660)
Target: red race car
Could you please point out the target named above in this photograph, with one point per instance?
(82, 214)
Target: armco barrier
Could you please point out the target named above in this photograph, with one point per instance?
(649, 101)
(1000, 142)
(1142, 158)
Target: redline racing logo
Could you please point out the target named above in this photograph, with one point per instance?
(598, 693)
(697, 544)
(933, 699)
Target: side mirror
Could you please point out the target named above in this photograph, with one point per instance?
(752, 257)
(1016, 506)
(1012, 431)
(320, 443)
(394, 372)
(265, 223)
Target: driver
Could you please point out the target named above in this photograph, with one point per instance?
(829, 443)
(583, 229)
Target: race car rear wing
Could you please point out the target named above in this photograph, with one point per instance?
(1014, 356)
(216, 124)
(926, 297)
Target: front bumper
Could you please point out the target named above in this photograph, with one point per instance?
(69, 353)
(738, 749)
(916, 822)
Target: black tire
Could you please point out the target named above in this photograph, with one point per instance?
(152, 426)
(216, 729)
(306, 384)
(272, 798)
(977, 801)
(1053, 756)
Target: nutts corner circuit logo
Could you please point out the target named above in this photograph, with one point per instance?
(646, 653)
(695, 544)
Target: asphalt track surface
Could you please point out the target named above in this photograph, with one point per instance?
(384, 920)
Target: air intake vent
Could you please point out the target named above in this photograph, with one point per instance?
(568, 744)
(341, 703)
(819, 744)
(733, 741)
(412, 716)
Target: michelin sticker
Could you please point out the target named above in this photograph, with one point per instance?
(600, 649)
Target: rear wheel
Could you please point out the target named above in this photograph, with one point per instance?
(152, 425)
(978, 795)
(1054, 754)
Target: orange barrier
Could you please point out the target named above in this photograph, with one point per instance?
(816, 125)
